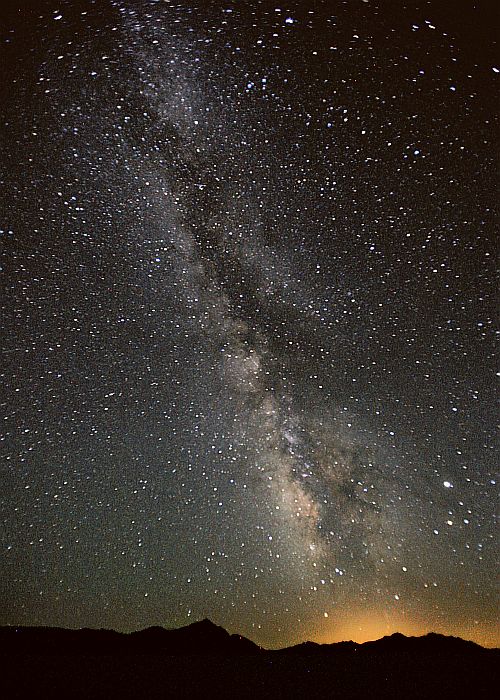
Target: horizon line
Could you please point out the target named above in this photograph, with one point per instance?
(237, 634)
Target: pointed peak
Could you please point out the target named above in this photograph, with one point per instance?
(205, 623)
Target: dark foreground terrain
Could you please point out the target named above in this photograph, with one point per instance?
(203, 660)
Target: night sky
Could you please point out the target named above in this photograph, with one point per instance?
(248, 316)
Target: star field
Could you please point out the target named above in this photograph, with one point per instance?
(248, 317)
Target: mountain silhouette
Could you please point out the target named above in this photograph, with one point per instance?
(203, 660)
(202, 637)
(205, 637)
(395, 643)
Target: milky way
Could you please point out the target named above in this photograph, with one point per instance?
(248, 362)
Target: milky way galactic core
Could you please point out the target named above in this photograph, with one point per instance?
(248, 314)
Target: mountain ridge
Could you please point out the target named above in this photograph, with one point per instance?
(205, 637)
(203, 660)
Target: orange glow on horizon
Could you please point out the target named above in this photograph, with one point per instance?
(367, 627)
(371, 626)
